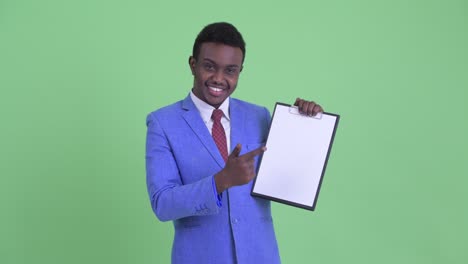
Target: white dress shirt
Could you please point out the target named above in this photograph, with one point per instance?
(206, 111)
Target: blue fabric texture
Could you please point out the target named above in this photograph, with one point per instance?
(181, 161)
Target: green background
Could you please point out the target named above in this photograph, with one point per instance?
(77, 79)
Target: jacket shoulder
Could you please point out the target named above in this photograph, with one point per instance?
(247, 106)
(166, 112)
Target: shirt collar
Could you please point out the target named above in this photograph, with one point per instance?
(206, 110)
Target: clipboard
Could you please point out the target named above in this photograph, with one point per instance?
(298, 147)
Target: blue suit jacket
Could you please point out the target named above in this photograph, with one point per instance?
(181, 160)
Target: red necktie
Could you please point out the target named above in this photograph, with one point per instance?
(218, 133)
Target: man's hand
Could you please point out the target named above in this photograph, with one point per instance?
(309, 108)
(239, 170)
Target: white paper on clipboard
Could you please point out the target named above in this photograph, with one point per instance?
(298, 147)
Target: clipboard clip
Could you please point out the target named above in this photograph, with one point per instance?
(295, 110)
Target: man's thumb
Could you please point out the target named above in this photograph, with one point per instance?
(236, 151)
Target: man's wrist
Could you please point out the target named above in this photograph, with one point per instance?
(221, 181)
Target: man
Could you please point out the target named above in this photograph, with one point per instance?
(191, 178)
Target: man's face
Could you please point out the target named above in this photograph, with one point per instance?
(216, 71)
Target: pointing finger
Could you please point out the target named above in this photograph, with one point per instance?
(253, 153)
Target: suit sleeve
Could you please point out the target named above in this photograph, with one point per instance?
(170, 199)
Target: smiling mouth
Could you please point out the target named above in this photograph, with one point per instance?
(216, 89)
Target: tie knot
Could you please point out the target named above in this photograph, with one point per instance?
(217, 114)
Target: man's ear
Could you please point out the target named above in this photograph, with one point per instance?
(191, 62)
(242, 67)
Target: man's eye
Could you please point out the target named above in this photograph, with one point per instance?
(231, 71)
(208, 67)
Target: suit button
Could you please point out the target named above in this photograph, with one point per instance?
(234, 220)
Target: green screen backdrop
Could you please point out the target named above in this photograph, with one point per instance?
(77, 79)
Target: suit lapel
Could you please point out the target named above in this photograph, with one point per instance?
(194, 120)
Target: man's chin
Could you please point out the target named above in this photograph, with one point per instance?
(216, 101)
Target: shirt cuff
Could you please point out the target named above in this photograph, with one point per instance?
(218, 197)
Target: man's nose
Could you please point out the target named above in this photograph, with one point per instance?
(218, 77)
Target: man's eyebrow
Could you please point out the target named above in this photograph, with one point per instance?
(227, 66)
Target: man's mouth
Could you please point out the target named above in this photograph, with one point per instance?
(216, 89)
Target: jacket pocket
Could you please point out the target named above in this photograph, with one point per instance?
(254, 146)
